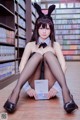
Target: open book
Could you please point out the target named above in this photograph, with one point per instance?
(41, 88)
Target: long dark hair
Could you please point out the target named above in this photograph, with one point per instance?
(43, 21)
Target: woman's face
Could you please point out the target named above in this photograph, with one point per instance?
(44, 32)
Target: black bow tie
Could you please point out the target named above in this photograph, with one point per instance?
(43, 45)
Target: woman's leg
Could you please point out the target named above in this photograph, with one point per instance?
(31, 91)
(51, 81)
(56, 70)
(48, 75)
(27, 72)
(35, 76)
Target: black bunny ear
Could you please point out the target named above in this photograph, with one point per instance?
(38, 9)
(51, 8)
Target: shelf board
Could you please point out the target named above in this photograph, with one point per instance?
(21, 37)
(20, 16)
(6, 61)
(8, 44)
(21, 7)
(34, 14)
(21, 47)
(18, 58)
(8, 80)
(22, 27)
(5, 11)
(17, 36)
(7, 27)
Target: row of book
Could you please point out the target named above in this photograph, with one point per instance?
(67, 11)
(73, 57)
(6, 36)
(7, 69)
(20, 43)
(68, 42)
(21, 12)
(33, 18)
(66, 5)
(64, 37)
(69, 47)
(21, 33)
(72, 26)
(65, 32)
(33, 9)
(17, 66)
(71, 52)
(67, 21)
(21, 22)
(7, 53)
(22, 3)
(67, 16)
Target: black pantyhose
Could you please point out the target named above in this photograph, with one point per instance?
(27, 72)
(56, 70)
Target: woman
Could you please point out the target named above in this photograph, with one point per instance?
(43, 49)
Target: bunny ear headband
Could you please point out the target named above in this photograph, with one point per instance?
(38, 9)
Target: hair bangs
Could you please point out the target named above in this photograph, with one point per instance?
(43, 22)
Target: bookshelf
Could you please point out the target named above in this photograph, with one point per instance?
(66, 18)
(14, 28)
(33, 15)
(20, 29)
(7, 34)
(67, 29)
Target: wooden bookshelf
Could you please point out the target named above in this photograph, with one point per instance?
(14, 34)
(20, 28)
(7, 39)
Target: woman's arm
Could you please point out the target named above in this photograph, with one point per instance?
(60, 56)
(25, 56)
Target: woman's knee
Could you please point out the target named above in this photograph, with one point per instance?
(39, 56)
(47, 55)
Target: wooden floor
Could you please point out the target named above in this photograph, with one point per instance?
(30, 109)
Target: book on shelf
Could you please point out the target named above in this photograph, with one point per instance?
(7, 69)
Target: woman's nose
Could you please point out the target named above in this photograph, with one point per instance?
(44, 30)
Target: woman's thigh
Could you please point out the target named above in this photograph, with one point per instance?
(48, 75)
(35, 76)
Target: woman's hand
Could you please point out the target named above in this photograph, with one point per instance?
(52, 92)
(31, 92)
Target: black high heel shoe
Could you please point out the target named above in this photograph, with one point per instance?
(70, 106)
(10, 107)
